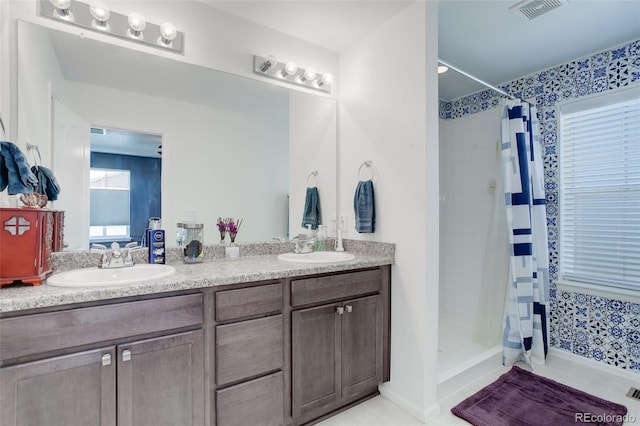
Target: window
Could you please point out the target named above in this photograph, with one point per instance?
(600, 191)
(110, 204)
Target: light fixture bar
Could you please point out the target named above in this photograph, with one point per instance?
(117, 25)
(272, 68)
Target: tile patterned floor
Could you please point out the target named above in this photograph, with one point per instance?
(381, 412)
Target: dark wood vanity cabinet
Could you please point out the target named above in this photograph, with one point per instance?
(271, 353)
(147, 381)
(337, 347)
(249, 352)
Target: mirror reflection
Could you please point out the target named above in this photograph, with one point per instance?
(231, 146)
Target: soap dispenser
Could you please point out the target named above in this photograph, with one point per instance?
(321, 243)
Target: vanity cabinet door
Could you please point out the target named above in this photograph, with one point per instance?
(362, 348)
(76, 389)
(316, 360)
(161, 381)
(337, 355)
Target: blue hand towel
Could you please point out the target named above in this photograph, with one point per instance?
(47, 183)
(311, 215)
(364, 207)
(15, 171)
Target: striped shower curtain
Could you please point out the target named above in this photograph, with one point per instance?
(525, 324)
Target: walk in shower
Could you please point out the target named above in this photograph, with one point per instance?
(473, 242)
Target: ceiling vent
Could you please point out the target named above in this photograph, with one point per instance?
(530, 9)
(98, 131)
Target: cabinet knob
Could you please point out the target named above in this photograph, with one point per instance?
(340, 310)
(106, 360)
(126, 355)
(349, 308)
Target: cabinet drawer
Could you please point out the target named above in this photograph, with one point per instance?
(38, 333)
(257, 402)
(322, 289)
(248, 348)
(244, 302)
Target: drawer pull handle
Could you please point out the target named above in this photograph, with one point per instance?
(126, 355)
(349, 308)
(340, 310)
(106, 360)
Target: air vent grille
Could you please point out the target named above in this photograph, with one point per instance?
(98, 131)
(530, 9)
(634, 393)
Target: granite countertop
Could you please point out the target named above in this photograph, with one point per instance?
(213, 271)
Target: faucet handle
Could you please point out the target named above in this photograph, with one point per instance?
(98, 248)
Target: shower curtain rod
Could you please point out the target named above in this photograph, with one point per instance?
(490, 86)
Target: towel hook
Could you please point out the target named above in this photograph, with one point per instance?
(37, 151)
(311, 175)
(369, 165)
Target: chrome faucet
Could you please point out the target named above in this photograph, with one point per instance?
(116, 257)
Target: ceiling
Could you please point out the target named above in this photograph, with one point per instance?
(477, 36)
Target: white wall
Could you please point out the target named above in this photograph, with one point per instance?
(210, 156)
(36, 56)
(389, 114)
(469, 163)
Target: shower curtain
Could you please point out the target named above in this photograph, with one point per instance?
(525, 324)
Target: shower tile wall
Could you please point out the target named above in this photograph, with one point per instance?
(606, 330)
(468, 165)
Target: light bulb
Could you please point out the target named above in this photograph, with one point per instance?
(309, 75)
(100, 13)
(289, 69)
(442, 69)
(168, 32)
(61, 8)
(137, 24)
(269, 62)
(327, 78)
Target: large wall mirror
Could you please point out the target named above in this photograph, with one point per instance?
(231, 146)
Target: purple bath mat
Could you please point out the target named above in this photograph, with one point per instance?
(521, 398)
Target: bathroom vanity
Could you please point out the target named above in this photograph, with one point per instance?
(288, 345)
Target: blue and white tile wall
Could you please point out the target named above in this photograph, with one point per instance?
(603, 329)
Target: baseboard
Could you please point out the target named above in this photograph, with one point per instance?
(417, 412)
(596, 365)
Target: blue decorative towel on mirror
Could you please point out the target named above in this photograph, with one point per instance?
(15, 172)
(364, 207)
(311, 215)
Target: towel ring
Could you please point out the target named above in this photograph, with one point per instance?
(37, 151)
(309, 178)
(369, 166)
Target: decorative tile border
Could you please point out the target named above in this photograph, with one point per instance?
(607, 330)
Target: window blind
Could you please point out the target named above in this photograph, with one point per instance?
(600, 195)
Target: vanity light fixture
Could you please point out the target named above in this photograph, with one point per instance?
(100, 13)
(268, 63)
(327, 78)
(96, 15)
(289, 69)
(290, 72)
(308, 76)
(137, 24)
(61, 9)
(167, 33)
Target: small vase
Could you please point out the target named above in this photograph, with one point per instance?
(223, 235)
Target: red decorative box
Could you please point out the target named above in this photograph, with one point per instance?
(26, 243)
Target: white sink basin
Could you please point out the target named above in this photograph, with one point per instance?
(95, 277)
(317, 257)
